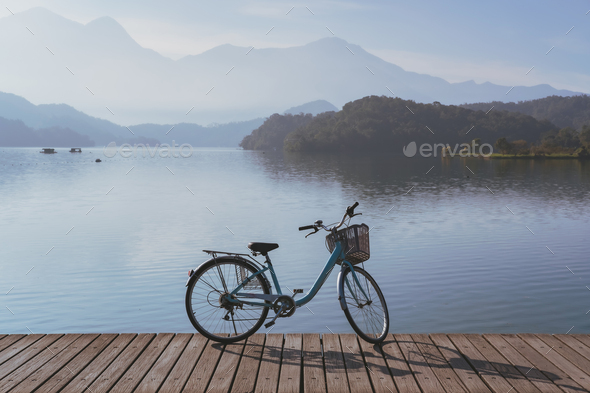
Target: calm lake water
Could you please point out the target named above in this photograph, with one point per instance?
(454, 254)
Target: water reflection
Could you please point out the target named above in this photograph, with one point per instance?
(450, 248)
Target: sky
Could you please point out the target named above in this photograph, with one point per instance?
(495, 41)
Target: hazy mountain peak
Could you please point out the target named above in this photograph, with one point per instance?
(329, 41)
(105, 22)
(107, 29)
(314, 107)
(143, 86)
(41, 12)
(43, 18)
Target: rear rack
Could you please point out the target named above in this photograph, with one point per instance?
(214, 254)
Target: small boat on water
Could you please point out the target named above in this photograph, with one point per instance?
(47, 150)
(75, 150)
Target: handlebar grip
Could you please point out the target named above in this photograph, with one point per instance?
(305, 228)
(350, 209)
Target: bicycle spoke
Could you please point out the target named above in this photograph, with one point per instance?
(217, 315)
(216, 290)
(222, 279)
(365, 306)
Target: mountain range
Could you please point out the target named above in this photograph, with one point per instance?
(25, 124)
(101, 70)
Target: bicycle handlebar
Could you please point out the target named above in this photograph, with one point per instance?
(349, 213)
(305, 228)
(350, 209)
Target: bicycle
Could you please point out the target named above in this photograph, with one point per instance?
(228, 297)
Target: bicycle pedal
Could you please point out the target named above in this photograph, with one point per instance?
(296, 291)
(267, 325)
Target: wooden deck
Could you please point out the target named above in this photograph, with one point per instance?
(169, 362)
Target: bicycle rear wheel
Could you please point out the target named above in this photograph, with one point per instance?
(364, 305)
(207, 306)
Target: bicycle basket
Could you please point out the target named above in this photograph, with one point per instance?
(355, 242)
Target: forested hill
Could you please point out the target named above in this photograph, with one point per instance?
(562, 111)
(383, 123)
(271, 134)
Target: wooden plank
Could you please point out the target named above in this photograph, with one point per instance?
(438, 364)
(575, 344)
(523, 365)
(570, 354)
(223, 376)
(270, 365)
(527, 363)
(201, 375)
(553, 356)
(18, 346)
(486, 371)
(185, 365)
(97, 365)
(113, 372)
(336, 379)
(583, 338)
(290, 379)
(358, 379)
(2, 336)
(313, 364)
(542, 364)
(164, 363)
(245, 379)
(42, 356)
(37, 378)
(378, 371)
(466, 374)
(506, 369)
(156, 376)
(27, 351)
(398, 367)
(11, 339)
(423, 374)
(142, 365)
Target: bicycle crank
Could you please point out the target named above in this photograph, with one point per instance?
(284, 307)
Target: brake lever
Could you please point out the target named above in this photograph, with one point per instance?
(311, 233)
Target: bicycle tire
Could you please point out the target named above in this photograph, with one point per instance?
(223, 334)
(375, 330)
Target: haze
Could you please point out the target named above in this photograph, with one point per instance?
(138, 62)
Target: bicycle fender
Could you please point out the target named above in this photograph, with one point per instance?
(227, 258)
(340, 289)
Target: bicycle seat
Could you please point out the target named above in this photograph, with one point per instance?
(262, 248)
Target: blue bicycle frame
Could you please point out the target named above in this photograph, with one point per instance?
(336, 255)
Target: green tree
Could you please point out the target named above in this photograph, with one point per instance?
(272, 133)
(503, 146)
(585, 136)
(567, 137)
(520, 147)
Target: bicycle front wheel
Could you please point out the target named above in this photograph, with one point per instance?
(364, 305)
(207, 306)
